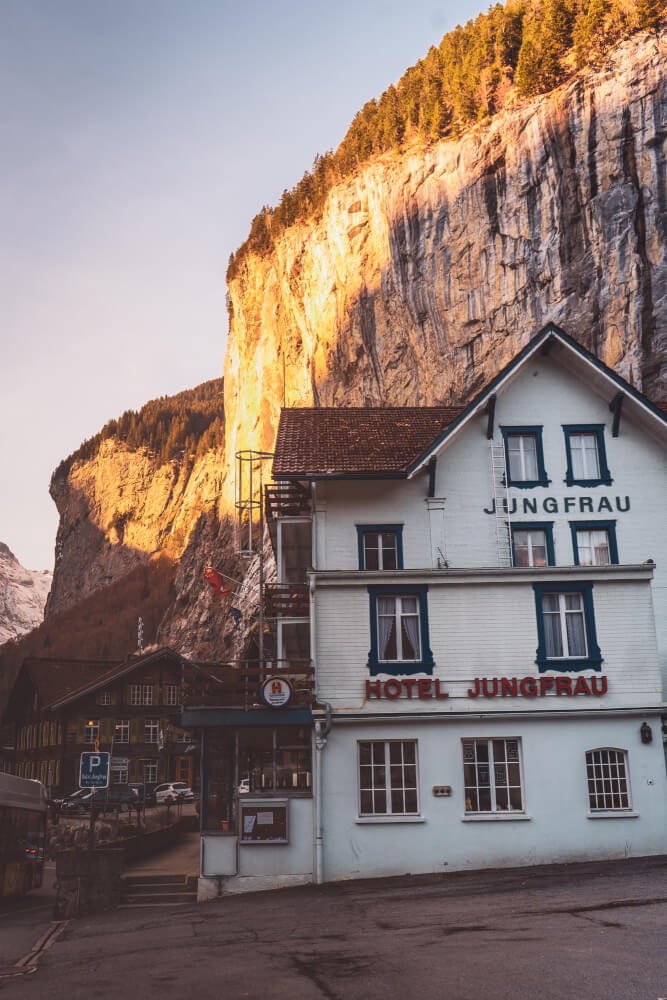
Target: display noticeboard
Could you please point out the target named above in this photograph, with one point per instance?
(263, 821)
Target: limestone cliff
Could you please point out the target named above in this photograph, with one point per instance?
(426, 272)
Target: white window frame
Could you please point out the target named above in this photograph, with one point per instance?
(141, 694)
(172, 694)
(562, 613)
(104, 698)
(386, 785)
(530, 532)
(605, 771)
(522, 438)
(92, 732)
(381, 548)
(398, 616)
(578, 438)
(149, 768)
(151, 730)
(580, 532)
(492, 764)
(121, 731)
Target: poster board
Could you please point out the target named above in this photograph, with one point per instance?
(263, 821)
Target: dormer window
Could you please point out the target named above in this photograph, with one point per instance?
(380, 546)
(524, 456)
(586, 456)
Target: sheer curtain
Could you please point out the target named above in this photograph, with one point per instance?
(386, 619)
(411, 625)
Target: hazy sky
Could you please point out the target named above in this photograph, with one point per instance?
(137, 140)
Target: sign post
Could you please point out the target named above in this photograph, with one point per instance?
(94, 773)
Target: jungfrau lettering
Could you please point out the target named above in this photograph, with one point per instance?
(490, 687)
(566, 505)
(533, 687)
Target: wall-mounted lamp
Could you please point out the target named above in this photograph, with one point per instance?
(646, 733)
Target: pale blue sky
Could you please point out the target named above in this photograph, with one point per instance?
(137, 140)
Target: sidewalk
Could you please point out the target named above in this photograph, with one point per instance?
(181, 859)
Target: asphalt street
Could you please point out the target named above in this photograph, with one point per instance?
(596, 931)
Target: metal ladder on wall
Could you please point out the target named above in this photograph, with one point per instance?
(501, 504)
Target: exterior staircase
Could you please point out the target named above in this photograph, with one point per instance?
(157, 890)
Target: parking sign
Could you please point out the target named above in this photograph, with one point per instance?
(94, 770)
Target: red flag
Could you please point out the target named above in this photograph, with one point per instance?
(216, 582)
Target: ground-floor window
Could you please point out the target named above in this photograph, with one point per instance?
(150, 772)
(388, 778)
(253, 760)
(492, 776)
(608, 784)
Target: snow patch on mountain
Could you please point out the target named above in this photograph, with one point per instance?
(23, 594)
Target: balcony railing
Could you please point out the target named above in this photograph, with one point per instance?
(286, 500)
(286, 600)
(237, 684)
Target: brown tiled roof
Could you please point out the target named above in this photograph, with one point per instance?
(56, 679)
(356, 441)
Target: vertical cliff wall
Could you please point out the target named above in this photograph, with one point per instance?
(429, 270)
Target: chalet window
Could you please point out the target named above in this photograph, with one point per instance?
(566, 627)
(608, 783)
(532, 544)
(151, 730)
(104, 698)
(524, 456)
(150, 771)
(91, 731)
(594, 543)
(122, 731)
(380, 546)
(586, 455)
(492, 776)
(388, 778)
(141, 694)
(399, 630)
(172, 694)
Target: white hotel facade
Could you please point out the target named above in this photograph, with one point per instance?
(489, 688)
(491, 703)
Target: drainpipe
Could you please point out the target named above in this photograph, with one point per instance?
(322, 730)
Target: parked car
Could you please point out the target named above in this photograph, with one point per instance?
(104, 798)
(173, 791)
(77, 802)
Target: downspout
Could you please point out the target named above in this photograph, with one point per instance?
(322, 727)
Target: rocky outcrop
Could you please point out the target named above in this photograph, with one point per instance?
(23, 595)
(424, 275)
(121, 508)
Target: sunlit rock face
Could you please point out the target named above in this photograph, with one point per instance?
(119, 509)
(22, 596)
(425, 274)
(428, 271)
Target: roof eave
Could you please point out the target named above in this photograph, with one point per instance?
(551, 332)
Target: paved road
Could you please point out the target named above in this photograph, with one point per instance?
(595, 932)
(26, 918)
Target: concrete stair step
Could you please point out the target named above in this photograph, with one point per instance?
(135, 880)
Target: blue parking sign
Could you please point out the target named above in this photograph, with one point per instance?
(94, 770)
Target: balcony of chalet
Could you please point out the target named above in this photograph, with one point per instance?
(237, 684)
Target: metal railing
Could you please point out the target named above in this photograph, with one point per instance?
(237, 683)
